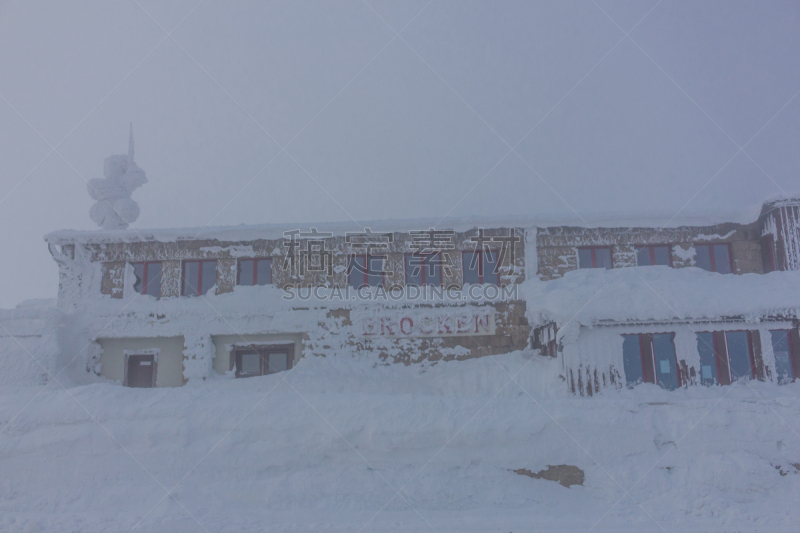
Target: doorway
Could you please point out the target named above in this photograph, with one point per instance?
(141, 371)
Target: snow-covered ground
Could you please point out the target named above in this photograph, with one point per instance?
(345, 444)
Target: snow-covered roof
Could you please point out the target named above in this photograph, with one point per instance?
(661, 293)
(244, 232)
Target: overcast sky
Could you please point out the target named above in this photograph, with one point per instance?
(259, 112)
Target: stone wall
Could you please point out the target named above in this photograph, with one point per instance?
(112, 279)
(512, 332)
(113, 256)
(557, 252)
(557, 247)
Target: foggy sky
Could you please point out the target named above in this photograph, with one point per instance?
(304, 112)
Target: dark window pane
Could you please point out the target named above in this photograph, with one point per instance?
(491, 270)
(708, 361)
(783, 356)
(154, 279)
(584, 258)
(245, 272)
(632, 359)
(702, 256)
(278, 362)
(375, 274)
(138, 272)
(666, 363)
(662, 254)
(738, 354)
(414, 266)
(433, 269)
(251, 363)
(722, 258)
(209, 275)
(357, 271)
(191, 271)
(603, 257)
(471, 268)
(264, 272)
(643, 256)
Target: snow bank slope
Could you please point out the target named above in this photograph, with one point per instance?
(28, 343)
(588, 296)
(327, 446)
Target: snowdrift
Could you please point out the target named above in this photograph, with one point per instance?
(660, 293)
(346, 444)
(28, 342)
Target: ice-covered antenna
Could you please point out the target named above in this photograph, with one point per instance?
(114, 208)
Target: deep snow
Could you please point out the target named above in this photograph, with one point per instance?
(326, 447)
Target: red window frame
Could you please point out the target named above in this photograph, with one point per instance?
(750, 349)
(722, 357)
(652, 248)
(145, 281)
(648, 367)
(496, 257)
(366, 269)
(594, 249)
(423, 267)
(711, 257)
(199, 286)
(255, 269)
(647, 348)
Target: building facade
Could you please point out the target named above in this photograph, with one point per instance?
(166, 307)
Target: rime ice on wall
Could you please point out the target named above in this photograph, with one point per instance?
(114, 208)
(558, 246)
(93, 266)
(790, 235)
(28, 343)
(781, 221)
(198, 356)
(594, 359)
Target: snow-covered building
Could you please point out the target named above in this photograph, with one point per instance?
(715, 303)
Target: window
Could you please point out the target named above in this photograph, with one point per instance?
(632, 360)
(654, 255)
(740, 354)
(198, 277)
(725, 356)
(708, 359)
(254, 272)
(785, 362)
(423, 269)
(714, 257)
(365, 271)
(595, 257)
(262, 360)
(481, 267)
(148, 278)
(650, 358)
